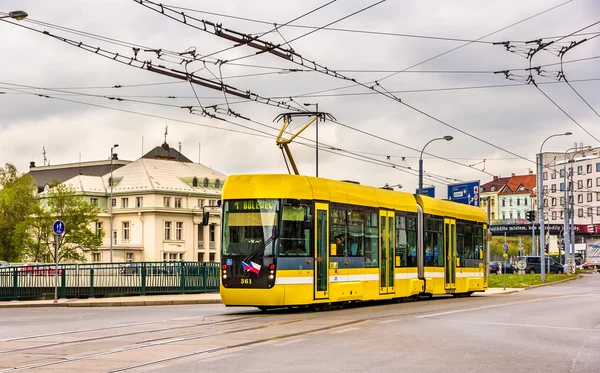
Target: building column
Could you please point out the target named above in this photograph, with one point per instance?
(217, 243)
(206, 242)
(195, 243)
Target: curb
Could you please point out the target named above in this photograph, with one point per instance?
(129, 303)
(554, 283)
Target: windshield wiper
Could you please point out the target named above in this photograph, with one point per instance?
(258, 249)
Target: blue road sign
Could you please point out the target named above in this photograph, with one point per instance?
(427, 191)
(229, 262)
(467, 193)
(58, 227)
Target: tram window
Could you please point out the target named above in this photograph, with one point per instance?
(434, 243)
(294, 238)
(356, 234)
(371, 240)
(406, 241)
(469, 248)
(460, 244)
(478, 234)
(338, 232)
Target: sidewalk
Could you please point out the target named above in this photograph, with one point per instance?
(148, 300)
(499, 291)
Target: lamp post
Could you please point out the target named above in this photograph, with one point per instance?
(532, 195)
(17, 15)
(447, 138)
(541, 203)
(316, 138)
(111, 199)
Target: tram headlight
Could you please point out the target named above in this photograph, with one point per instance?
(271, 277)
(224, 277)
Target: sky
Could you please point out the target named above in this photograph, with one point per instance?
(407, 72)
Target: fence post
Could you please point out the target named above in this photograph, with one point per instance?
(205, 277)
(15, 284)
(63, 283)
(143, 290)
(182, 266)
(92, 282)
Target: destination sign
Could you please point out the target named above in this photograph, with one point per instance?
(253, 205)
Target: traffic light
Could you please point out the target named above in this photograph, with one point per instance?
(530, 215)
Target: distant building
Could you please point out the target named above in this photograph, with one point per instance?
(157, 205)
(488, 193)
(511, 197)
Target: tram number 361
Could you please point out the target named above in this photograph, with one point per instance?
(246, 281)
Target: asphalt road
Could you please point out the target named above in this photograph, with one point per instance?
(548, 329)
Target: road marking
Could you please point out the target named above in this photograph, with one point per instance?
(290, 342)
(387, 321)
(498, 305)
(529, 325)
(344, 330)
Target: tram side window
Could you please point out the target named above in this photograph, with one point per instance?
(469, 247)
(434, 243)
(371, 240)
(478, 236)
(406, 240)
(294, 239)
(356, 234)
(338, 232)
(460, 244)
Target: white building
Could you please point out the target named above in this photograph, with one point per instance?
(157, 209)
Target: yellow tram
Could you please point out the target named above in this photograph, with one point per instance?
(290, 240)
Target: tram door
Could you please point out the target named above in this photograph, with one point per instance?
(450, 253)
(321, 258)
(386, 252)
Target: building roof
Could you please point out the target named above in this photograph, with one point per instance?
(46, 175)
(167, 153)
(87, 184)
(520, 184)
(497, 184)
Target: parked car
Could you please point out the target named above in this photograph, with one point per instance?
(506, 268)
(35, 269)
(533, 264)
(152, 269)
(4, 264)
(131, 269)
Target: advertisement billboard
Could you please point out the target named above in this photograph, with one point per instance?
(427, 191)
(467, 193)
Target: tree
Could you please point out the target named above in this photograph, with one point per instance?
(16, 205)
(79, 216)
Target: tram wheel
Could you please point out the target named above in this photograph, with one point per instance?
(318, 307)
(341, 305)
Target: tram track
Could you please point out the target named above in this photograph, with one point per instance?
(93, 339)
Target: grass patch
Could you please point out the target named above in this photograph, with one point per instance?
(525, 281)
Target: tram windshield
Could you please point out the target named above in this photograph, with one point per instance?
(250, 226)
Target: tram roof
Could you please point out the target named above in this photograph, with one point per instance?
(441, 207)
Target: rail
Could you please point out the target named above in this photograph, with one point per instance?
(108, 279)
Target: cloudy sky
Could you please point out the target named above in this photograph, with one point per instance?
(498, 124)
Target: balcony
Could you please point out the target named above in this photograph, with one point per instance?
(211, 245)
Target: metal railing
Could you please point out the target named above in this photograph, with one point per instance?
(106, 279)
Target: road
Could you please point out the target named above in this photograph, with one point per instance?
(548, 329)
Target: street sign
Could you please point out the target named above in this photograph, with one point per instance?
(58, 227)
(427, 191)
(467, 193)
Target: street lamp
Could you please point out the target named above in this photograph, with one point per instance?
(447, 138)
(541, 203)
(17, 14)
(111, 199)
(316, 138)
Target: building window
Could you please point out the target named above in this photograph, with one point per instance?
(579, 170)
(211, 257)
(212, 202)
(588, 168)
(99, 229)
(510, 202)
(212, 233)
(167, 201)
(178, 202)
(206, 182)
(110, 181)
(562, 173)
(126, 225)
(195, 182)
(545, 175)
(518, 201)
(129, 257)
(503, 215)
(562, 215)
(124, 203)
(562, 201)
(168, 230)
(598, 181)
(597, 196)
(553, 188)
(590, 197)
(179, 230)
(493, 216)
(510, 215)
(114, 233)
(598, 167)
(139, 201)
(525, 201)
(96, 257)
(580, 213)
(545, 202)
(503, 202)
(217, 184)
(113, 202)
(589, 183)
(518, 214)
(553, 215)
(94, 201)
(598, 210)
(590, 211)
(580, 198)
(579, 184)
(554, 174)
(553, 201)
(562, 187)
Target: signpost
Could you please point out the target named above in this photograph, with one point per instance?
(467, 193)
(59, 229)
(427, 191)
